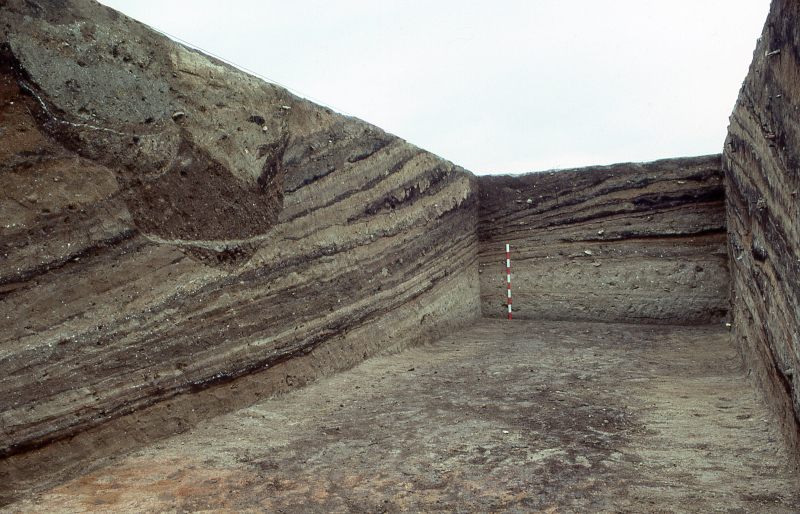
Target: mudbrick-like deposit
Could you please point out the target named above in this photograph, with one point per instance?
(180, 240)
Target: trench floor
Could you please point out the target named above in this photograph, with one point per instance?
(505, 416)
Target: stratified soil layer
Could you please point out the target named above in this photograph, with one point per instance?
(180, 239)
(633, 243)
(762, 168)
(517, 417)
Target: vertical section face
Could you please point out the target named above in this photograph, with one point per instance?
(195, 247)
(638, 243)
(762, 167)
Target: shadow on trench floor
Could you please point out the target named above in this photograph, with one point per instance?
(501, 417)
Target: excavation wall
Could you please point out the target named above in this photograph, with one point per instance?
(634, 243)
(180, 239)
(762, 166)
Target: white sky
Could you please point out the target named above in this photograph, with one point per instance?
(496, 86)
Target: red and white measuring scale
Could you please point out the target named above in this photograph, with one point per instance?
(508, 276)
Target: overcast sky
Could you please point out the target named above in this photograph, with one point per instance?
(496, 86)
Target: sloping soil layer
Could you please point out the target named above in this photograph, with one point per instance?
(506, 416)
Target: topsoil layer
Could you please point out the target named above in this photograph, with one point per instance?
(501, 417)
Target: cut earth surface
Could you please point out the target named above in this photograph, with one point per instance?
(504, 416)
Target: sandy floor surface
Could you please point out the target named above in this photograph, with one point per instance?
(501, 417)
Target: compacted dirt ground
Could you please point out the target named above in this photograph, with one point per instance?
(505, 416)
